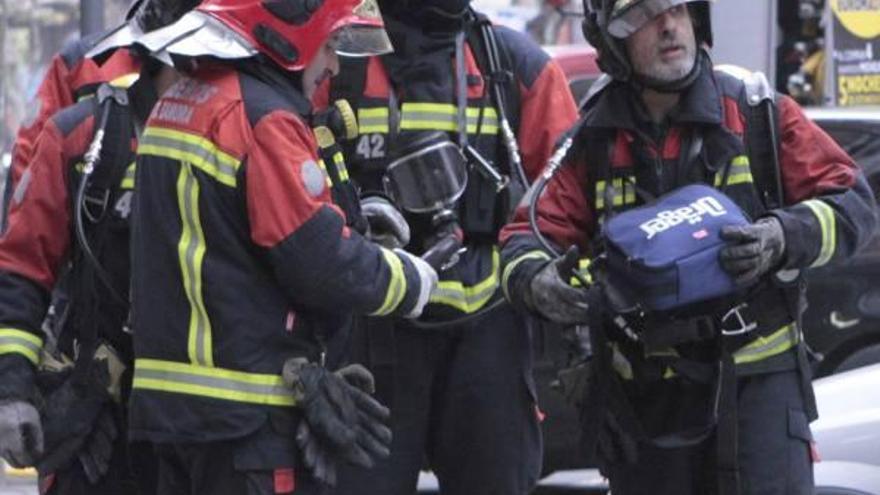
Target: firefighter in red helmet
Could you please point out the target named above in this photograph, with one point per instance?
(714, 396)
(239, 257)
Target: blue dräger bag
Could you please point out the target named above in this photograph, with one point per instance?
(666, 253)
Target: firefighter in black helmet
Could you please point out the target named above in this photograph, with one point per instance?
(712, 398)
(458, 380)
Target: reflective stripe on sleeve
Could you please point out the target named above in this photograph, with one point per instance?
(396, 285)
(215, 383)
(828, 223)
(508, 269)
(14, 341)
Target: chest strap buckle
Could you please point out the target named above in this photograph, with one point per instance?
(736, 316)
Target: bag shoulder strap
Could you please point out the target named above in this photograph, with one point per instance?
(762, 138)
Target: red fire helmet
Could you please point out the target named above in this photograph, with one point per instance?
(291, 32)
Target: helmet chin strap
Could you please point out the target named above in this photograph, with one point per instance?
(641, 82)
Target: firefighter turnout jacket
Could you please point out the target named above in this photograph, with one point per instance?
(39, 245)
(828, 211)
(389, 105)
(70, 77)
(237, 255)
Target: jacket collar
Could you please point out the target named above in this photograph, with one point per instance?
(619, 106)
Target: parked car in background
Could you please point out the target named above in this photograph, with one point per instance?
(842, 322)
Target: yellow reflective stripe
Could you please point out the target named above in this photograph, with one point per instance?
(828, 223)
(584, 270)
(468, 299)
(15, 341)
(396, 284)
(622, 195)
(215, 383)
(765, 347)
(192, 148)
(339, 160)
(509, 267)
(128, 178)
(191, 251)
(740, 172)
(373, 120)
(444, 117)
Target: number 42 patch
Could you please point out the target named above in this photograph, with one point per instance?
(371, 146)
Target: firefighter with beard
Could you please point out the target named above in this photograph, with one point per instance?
(459, 380)
(239, 255)
(664, 119)
(63, 397)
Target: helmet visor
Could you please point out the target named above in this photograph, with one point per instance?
(628, 16)
(361, 40)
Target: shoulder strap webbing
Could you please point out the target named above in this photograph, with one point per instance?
(478, 32)
(116, 145)
(762, 139)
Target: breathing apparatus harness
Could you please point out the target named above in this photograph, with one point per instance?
(607, 305)
(93, 194)
(501, 87)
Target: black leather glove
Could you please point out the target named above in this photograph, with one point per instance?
(70, 414)
(97, 452)
(752, 250)
(550, 294)
(343, 421)
(317, 457)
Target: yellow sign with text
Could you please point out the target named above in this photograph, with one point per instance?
(860, 17)
(858, 89)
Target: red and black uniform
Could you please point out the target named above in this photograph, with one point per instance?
(828, 214)
(38, 246)
(463, 394)
(70, 77)
(238, 256)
